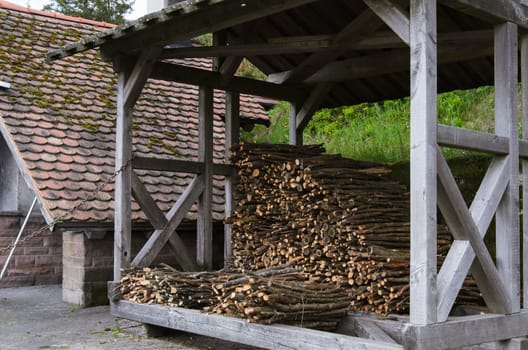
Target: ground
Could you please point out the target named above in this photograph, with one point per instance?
(36, 318)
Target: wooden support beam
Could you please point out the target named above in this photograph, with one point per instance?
(423, 162)
(377, 64)
(506, 124)
(229, 67)
(494, 11)
(295, 135)
(204, 239)
(234, 329)
(461, 256)
(194, 76)
(310, 106)
(464, 228)
(393, 15)
(451, 136)
(364, 24)
(151, 249)
(524, 80)
(139, 75)
(180, 166)
(465, 331)
(369, 329)
(232, 138)
(123, 180)
(159, 221)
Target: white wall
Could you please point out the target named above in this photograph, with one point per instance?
(155, 5)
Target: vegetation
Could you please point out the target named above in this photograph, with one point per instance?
(97, 10)
(379, 131)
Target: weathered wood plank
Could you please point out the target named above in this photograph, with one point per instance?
(393, 15)
(152, 247)
(465, 331)
(179, 166)
(524, 81)
(194, 76)
(463, 227)
(461, 256)
(472, 140)
(506, 124)
(204, 234)
(232, 138)
(123, 181)
(370, 330)
(277, 337)
(423, 161)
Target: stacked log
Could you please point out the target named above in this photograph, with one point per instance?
(274, 295)
(342, 221)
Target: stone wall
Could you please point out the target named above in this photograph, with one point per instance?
(36, 261)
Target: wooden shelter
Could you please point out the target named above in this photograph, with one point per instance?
(326, 53)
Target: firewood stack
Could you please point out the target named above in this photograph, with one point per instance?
(342, 221)
(274, 295)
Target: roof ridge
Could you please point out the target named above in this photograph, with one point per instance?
(11, 6)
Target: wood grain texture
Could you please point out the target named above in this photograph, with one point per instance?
(423, 162)
(506, 124)
(524, 80)
(393, 15)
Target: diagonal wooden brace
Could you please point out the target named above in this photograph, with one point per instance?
(393, 15)
(464, 228)
(151, 249)
(159, 221)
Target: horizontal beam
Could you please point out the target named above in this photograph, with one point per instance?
(279, 337)
(180, 166)
(494, 11)
(391, 62)
(200, 77)
(472, 140)
(465, 331)
(479, 141)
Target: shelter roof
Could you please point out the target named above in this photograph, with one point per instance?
(59, 119)
(302, 44)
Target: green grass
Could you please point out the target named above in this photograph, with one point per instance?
(380, 131)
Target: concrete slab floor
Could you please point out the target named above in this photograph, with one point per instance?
(36, 318)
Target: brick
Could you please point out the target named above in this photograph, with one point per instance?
(73, 249)
(48, 279)
(6, 241)
(10, 221)
(44, 260)
(23, 261)
(52, 241)
(32, 242)
(36, 251)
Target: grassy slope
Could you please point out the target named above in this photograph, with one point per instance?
(380, 131)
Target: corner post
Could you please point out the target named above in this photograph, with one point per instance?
(506, 124)
(204, 241)
(423, 304)
(123, 180)
(296, 135)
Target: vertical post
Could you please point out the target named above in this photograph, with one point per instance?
(506, 124)
(204, 244)
(296, 136)
(232, 138)
(423, 162)
(123, 180)
(524, 78)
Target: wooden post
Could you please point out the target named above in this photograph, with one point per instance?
(296, 135)
(524, 78)
(123, 180)
(204, 242)
(423, 162)
(232, 138)
(506, 120)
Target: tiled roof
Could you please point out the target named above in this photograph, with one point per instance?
(59, 119)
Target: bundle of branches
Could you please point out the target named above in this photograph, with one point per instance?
(343, 221)
(275, 295)
(165, 285)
